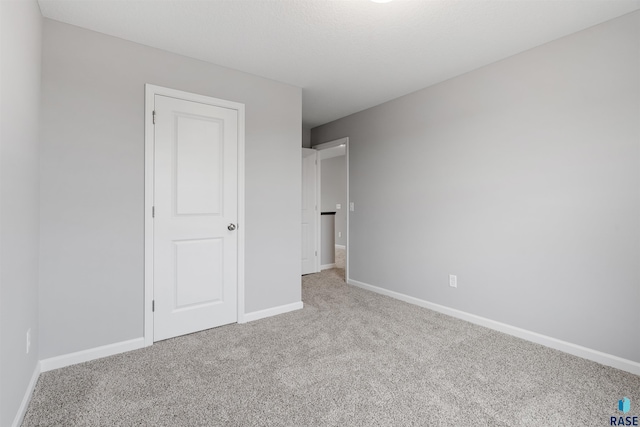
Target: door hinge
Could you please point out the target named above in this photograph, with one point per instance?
(316, 253)
(154, 116)
(153, 211)
(153, 305)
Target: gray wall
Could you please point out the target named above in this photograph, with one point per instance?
(334, 190)
(21, 37)
(92, 178)
(520, 177)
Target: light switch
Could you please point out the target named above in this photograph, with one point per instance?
(338, 206)
(352, 207)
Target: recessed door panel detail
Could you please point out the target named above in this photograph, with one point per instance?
(199, 272)
(199, 156)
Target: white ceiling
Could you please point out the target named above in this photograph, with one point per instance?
(347, 55)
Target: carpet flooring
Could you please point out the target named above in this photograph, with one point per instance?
(349, 358)
(341, 257)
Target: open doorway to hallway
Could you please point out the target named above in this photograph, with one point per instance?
(333, 205)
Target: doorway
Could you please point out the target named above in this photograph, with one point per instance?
(194, 244)
(334, 203)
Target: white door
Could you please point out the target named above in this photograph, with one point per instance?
(196, 210)
(309, 211)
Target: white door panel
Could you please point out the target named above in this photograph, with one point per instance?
(309, 211)
(199, 165)
(195, 198)
(199, 263)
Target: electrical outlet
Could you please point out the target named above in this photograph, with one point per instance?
(28, 340)
(338, 206)
(453, 281)
(352, 206)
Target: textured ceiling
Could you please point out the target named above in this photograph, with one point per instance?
(347, 55)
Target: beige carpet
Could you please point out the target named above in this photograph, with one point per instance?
(341, 257)
(349, 358)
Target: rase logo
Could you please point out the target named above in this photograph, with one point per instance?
(624, 406)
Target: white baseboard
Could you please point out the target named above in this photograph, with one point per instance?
(137, 343)
(327, 266)
(341, 247)
(22, 410)
(90, 354)
(281, 309)
(567, 347)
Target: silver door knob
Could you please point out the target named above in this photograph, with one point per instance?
(231, 227)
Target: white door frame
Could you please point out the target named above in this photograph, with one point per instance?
(324, 146)
(149, 154)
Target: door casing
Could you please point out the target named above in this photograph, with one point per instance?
(149, 153)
